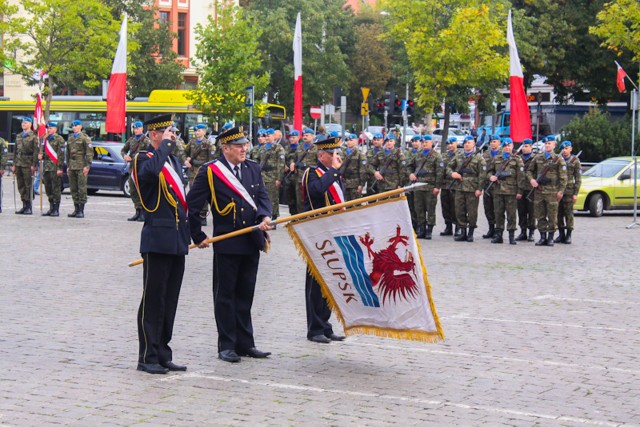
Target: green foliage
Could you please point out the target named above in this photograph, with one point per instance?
(618, 25)
(598, 136)
(227, 63)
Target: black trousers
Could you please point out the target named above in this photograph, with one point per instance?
(162, 279)
(234, 283)
(318, 311)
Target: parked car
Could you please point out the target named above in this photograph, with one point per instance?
(108, 171)
(457, 133)
(607, 185)
(372, 130)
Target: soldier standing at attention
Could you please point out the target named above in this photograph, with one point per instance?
(508, 177)
(447, 195)
(410, 155)
(289, 178)
(526, 220)
(254, 153)
(376, 146)
(136, 142)
(574, 181)
(548, 175)
(4, 152)
(79, 157)
(198, 152)
(487, 201)
(24, 164)
(271, 161)
(388, 166)
(427, 167)
(304, 157)
(353, 169)
(52, 154)
(470, 170)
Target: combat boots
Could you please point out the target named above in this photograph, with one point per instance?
(27, 209)
(429, 232)
(448, 231)
(75, 211)
(512, 238)
(543, 239)
(463, 235)
(567, 238)
(550, 239)
(141, 217)
(490, 233)
(560, 238)
(421, 231)
(458, 232)
(21, 211)
(497, 237)
(135, 216)
(531, 237)
(80, 213)
(470, 234)
(48, 213)
(522, 236)
(56, 209)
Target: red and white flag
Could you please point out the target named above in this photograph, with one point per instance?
(620, 78)
(520, 115)
(38, 117)
(117, 93)
(297, 82)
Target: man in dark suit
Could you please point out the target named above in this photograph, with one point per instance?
(163, 245)
(240, 200)
(322, 186)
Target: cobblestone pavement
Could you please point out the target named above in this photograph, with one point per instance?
(535, 335)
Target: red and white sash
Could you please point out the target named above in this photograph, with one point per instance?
(50, 152)
(229, 179)
(173, 179)
(335, 190)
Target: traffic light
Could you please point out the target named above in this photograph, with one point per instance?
(410, 107)
(389, 100)
(379, 107)
(397, 108)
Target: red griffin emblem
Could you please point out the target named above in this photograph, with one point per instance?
(390, 274)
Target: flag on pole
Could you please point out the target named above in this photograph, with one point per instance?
(520, 115)
(38, 117)
(620, 78)
(370, 269)
(297, 82)
(117, 92)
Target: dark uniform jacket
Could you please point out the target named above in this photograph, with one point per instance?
(316, 194)
(162, 231)
(240, 216)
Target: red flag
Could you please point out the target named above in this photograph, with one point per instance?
(297, 83)
(620, 79)
(117, 93)
(520, 115)
(38, 117)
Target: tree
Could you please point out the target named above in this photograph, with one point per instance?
(598, 136)
(227, 62)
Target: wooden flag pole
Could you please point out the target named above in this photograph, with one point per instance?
(303, 215)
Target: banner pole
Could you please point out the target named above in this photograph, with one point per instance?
(634, 108)
(304, 215)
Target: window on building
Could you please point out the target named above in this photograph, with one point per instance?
(165, 17)
(182, 34)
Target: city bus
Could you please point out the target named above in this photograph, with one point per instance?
(92, 111)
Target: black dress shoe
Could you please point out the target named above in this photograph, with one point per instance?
(334, 337)
(229, 356)
(173, 367)
(152, 368)
(255, 353)
(320, 339)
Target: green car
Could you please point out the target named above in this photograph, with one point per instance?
(607, 185)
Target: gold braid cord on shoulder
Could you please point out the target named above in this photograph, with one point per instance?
(214, 202)
(162, 189)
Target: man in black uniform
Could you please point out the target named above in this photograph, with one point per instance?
(322, 186)
(239, 200)
(163, 244)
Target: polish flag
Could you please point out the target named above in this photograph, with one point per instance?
(297, 83)
(117, 93)
(620, 79)
(38, 117)
(520, 115)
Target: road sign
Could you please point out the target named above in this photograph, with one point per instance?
(248, 96)
(365, 93)
(364, 109)
(315, 112)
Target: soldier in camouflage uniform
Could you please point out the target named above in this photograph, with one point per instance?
(198, 152)
(409, 155)
(574, 181)
(548, 174)
(24, 164)
(271, 160)
(376, 146)
(289, 179)
(487, 200)
(305, 156)
(254, 152)
(470, 170)
(447, 195)
(53, 168)
(79, 156)
(426, 166)
(136, 143)
(506, 180)
(353, 169)
(388, 166)
(4, 153)
(526, 219)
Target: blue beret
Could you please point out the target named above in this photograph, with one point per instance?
(452, 139)
(427, 138)
(527, 141)
(378, 136)
(27, 119)
(52, 125)
(269, 131)
(550, 138)
(544, 139)
(260, 132)
(565, 144)
(137, 124)
(200, 126)
(495, 137)
(226, 126)
(348, 136)
(416, 138)
(506, 141)
(334, 134)
(389, 136)
(76, 123)
(294, 133)
(307, 131)
(468, 138)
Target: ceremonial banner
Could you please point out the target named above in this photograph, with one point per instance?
(370, 269)
(520, 128)
(117, 93)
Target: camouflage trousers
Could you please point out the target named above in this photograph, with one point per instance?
(467, 209)
(505, 203)
(526, 219)
(25, 183)
(448, 204)
(135, 197)
(351, 193)
(545, 208)
(274, 196)
(425, 206)
(489, 208)
(299, 201)
(291, 195)
(412, 208)
(565, 212)
(52, 185)
(78, 186)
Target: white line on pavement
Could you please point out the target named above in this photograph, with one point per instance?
(530, 322)
(596, 301)
(492, 409)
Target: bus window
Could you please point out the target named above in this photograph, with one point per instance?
(93, 124)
